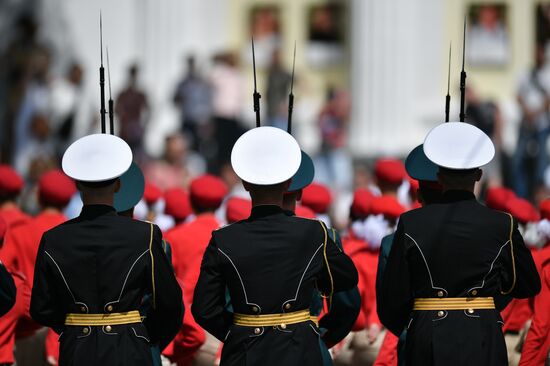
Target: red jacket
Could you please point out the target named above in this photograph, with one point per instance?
(519, 311)
(387, 356)
(366, 263)
(537, 343)
(13, 215)
(9, 321)
(189, 241)
(21, 242)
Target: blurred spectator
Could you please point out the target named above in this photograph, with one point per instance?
(227, 88)
(333, 165)
(488, 42)
(531, 157)
(193, 96)
(132, 109)
(33, 128)
(278, 87)
(72, 108)
(15, 72)
(323, 27)
(265, 26)
(487, 117)
(178, 165)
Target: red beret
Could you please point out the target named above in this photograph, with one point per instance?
(391, 171)
(545, 208)
(151, 193)
(303, 211)
(56, 188)
(498, 197)
(237, 209)
(388, 206)
(362, 200)
(522, 210)
(10, 182)
(317, 197)
(177, 203)
(3, 228)
(207, 191)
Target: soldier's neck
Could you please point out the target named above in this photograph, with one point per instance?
(98, 200)
(260, 201)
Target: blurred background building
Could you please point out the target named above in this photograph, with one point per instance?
(371, 75)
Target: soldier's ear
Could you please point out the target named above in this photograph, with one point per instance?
(118, 184)
(479, 174)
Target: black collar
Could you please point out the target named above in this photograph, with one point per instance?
(457, 196)
(93, 211)
(265, 210)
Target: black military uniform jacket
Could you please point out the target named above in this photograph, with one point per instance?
(458, 248)
(270, 264)
(104, 263)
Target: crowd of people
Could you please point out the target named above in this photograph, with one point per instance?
(193, 190)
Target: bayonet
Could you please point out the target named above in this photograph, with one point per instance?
(256, 95)
(462, 115)
(102, 111)
(111, 103)
(291, 95)
(448, 97)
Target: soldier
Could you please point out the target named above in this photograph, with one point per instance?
(92, 272)
(450, 260)
(269, 263)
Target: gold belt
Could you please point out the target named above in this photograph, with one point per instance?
(103, 319)
(272, 320)
(454, 303)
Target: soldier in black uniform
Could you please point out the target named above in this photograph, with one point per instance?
(270, 263)
(451, 261)
(93, 271)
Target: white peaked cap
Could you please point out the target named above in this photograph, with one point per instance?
(265, 156)
(458, 145)
(97, 158)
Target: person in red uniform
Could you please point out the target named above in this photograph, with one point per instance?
(519, 311)
(11, 185)
(8, 290)
(189, 240)
(55, 190)
(318, 198)
(384, 210)
(177, 204)
(15, 291)
(389, 174)
(543, 254)
(237, 209)
(356, 348)
(536, 349)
